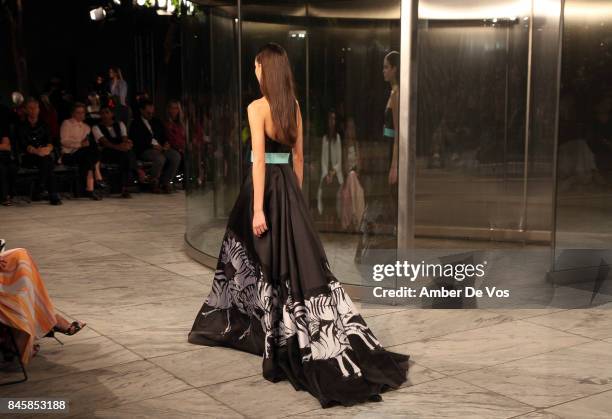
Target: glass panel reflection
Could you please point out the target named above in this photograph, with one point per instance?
(210, 74)
(471, 119)
(584, 175)
(337, 50)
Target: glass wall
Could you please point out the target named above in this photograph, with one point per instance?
(211, 101)
(491, 181)
(584, 175)
(337, 50)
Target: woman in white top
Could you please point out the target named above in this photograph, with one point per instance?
(331, 170)
(77, 150)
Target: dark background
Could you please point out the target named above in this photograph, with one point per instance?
(58, 38)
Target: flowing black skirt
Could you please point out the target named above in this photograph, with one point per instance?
(276, 296)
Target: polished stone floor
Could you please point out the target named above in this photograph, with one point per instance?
(120, 266)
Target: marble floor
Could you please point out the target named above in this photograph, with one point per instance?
(120, 266)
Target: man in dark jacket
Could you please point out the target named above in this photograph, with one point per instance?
(36, 144)
(150, 144)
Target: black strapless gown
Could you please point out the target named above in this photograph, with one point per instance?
(276, 296)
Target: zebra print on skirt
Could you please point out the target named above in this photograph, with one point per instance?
(275, 296)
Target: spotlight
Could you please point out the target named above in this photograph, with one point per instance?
(161, 4)
(97, 14)
(117, 2)
(171, 8)
(141, 2)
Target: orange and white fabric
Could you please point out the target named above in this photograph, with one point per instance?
(25, 305)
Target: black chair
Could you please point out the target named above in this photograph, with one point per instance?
(10, 351)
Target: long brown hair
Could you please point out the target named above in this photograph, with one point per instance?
(277, 86)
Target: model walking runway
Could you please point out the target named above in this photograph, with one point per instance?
(273, 293)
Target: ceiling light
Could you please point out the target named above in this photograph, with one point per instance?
(97, 14)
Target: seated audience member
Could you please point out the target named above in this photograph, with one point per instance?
(8, 166)
(150, 144)
(37, 146)
(25, 306)
(112, 136)
(175, 127)
(77, 150)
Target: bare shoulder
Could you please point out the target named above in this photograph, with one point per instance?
(259, 106)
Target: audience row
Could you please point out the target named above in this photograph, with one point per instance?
(26, 142)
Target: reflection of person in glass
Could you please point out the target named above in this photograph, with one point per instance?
(352, 196)
(273, 293)
(331, 171)
(390, 130)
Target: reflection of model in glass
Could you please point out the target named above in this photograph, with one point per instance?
(273, 293)
(331, 171)
(379, 221)
(390, 130)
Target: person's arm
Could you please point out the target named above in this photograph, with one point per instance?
(66, 137)
(64, 134)
(298, 149)
(338, 165)
(395, 112)
(101, 139)
(324, 157)
(256, 124)
(124, 136)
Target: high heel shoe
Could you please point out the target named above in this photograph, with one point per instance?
(73, 329)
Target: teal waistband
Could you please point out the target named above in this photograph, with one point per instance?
(275, 158)
(388, 132)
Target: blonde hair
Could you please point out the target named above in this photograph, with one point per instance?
(180, 114)
(118, 72)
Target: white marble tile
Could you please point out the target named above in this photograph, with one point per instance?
(210, 365)
(178, 312)
(191, 268)
(169, 256)
(418, 373)
(256, 397)
(598, 406)
(539, 414)
(477, 348)
(551, 378)
(186, 404)
(102, 388)
(370, 310)
(594, 323)
(133, 286)
(524, 313)
(55, 360)
(444, 398)
(156, 341)
(416, 324)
